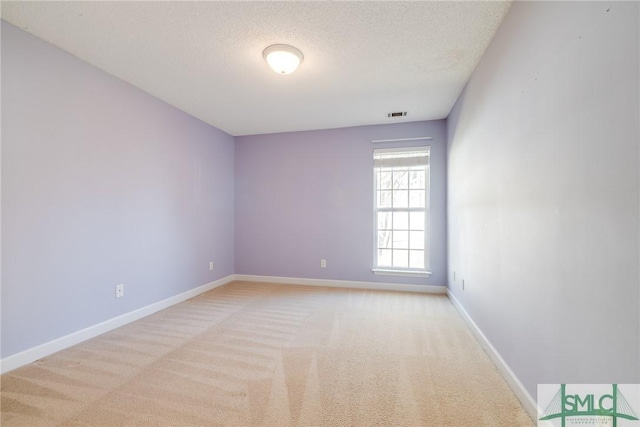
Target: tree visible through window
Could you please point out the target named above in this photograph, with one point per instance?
(401, 209)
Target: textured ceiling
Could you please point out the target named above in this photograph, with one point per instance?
(361, 59)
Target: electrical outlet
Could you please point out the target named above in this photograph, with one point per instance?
(120, 290)
(323, 263)
(463, 284)
(211, 266)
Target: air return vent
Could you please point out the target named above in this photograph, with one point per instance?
(397, 114)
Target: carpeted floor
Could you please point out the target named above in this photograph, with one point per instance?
(262, 354)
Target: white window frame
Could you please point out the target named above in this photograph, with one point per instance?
(396, 271)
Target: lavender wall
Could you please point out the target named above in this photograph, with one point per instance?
(101, 184)
(543, 193)
(303, 196)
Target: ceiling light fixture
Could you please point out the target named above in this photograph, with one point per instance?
(282, 58)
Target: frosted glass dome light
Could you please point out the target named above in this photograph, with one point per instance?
(282, 58)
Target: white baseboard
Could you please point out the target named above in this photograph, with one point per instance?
(25, 357)
(512, 380)
(31, 355)
(28, 356)
(343, 284)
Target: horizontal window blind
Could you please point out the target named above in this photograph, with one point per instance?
(385, 158)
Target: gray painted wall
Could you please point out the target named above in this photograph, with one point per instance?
(303, 196)
(101, 184)
(543, 193)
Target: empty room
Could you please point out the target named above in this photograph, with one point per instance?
(320, 213)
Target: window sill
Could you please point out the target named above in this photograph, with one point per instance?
(405, 273)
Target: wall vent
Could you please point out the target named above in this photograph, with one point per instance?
(397, 114)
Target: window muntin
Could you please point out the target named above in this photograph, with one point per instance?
(401, 209)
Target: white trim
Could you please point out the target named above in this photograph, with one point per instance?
(430, 289)
(17, 360)
(512, 380)
(426, 210)
(419, 138)
(404, 273)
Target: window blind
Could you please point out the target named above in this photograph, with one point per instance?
(391, 158)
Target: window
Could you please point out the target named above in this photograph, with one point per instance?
(401, 206)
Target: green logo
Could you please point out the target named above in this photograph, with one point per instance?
(583, 406)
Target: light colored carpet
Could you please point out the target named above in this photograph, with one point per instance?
(262, 354)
